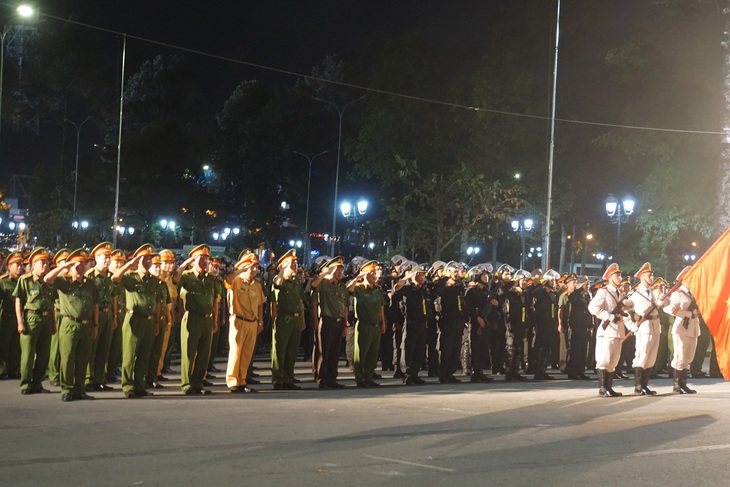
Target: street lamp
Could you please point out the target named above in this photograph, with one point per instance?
(589, 237)
(76, 172)
(307, 244)
(522, 227)
(26, 12)
(619, 212)
(352, 212)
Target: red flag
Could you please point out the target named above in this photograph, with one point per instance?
(709, 281)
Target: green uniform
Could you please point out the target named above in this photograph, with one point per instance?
(35, 343)
(138, 331)
(103, 340)
(368, 319)
(287, 330)
(198, 293)
(115, 345)
(75, 335)
(54, 360)
(163, 298)
(9, 338)
(216, 336)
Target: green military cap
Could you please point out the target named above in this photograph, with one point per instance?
(104, 248)
(14, 258)
(61, 254)
(570, 277)
(338, 261)
(289, 255)
(78, 255)
(202, 249)
(39, 253)
(145, 249)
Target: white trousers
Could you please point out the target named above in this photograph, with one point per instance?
(647, 346)
(608, 352)
(684, 351)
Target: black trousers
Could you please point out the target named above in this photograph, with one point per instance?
(414, 346)
(577, 344)
(330, 343)
(498, 349)
(432, 341)
(480, 341)
(515, 350)
(397, 345)
(386, 347)
(450, 346)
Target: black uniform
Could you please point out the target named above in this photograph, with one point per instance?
(453, 320)
(546, 329)
(414, 304)
(432, 331)
(478, 302)
(515, 310)
(497, 322)
(574, 306)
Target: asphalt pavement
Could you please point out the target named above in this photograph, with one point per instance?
(504, 433)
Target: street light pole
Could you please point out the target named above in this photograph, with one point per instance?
(119, 143)
(76, 172)
(307, 245)
(619, 212)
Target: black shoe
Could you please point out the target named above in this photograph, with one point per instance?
(162, 378)
(295, 380)
(168, 370)
(205, 392)
(144, 393)
(418, 381)
(131, 395)
(372, 384)
(82, 397)
(278, 387)
(207, 383)
(377, 376)
(213, 369)
(192, 392)
(544, 376)
(253, 381)
(433, 374)
(239, 390)
(453, 380)
(398, 374)
(157, 385)
(444, 380)
(41, 390)
(55, 383)
(324, 385)
(336, 385)
(619, 375)
(583, 377)
(105, 387)
(291, 387)
(363, 385)
(112, 380)
(27, 392)
(67, 398)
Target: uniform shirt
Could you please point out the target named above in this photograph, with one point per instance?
(121, 296)
(574, 307)
(477, 298)
(289, 296)
(415, 303)
(34, 293)
(163, 298)
(515, 308)
(141, 293)
(198, 292)
(76, 298)
(368, 305)
(332, 299)
(104, 286)
(645, 299)
(7, 286)
(453, 308)
(602, 306)
(245, 298)
(546, 310)
(687, 313)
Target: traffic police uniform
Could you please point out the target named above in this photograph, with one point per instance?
(288, 298)
(36, 302)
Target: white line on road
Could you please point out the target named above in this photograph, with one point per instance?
(579, 402)
(442, 469)
(680, 450)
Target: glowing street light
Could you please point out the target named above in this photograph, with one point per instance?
(619, 212)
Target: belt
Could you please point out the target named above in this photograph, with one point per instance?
(295, 315)
(208, 315)
(244, 319)
(37, 312)
(83, 322)
(140, 315)
(105, 310)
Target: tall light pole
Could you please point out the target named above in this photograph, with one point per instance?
(76, 172)
(23, 11)
(119, 143)
(307, 245)
(349, 211)
(588, 238)
(522, 227)
(546, 263)
(619, 212)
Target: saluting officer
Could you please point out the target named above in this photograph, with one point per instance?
(200, 298)
(163, 297)
(79, 301)
(576, 323)
(480, 305)
(452, 322)
(287, 313)
(9, 338)
(546, 323)
(34, 312)
(118, 258)
(515, 310)
(100, 276)
(54, 362)
(167, 268)
(141, 322)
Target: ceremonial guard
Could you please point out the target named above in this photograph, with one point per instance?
(141, 321)
(287, 314)
(576, 322)
(79, 300)
(34, 313)
(480, 305)
(369, 323)
(610, 307)
(100, 276)
(54, 361)
(330, 307)
(200, 297)
(647, 328)
(546, 323)
(685, 330)
(9, 337)
(118, 258)
(453, 319)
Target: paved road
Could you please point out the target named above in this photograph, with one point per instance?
(534, 433)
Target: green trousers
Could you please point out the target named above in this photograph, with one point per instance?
(100, 348)
(35, 348)
(138, 334)
(115, 349)
(284, 347)
(196, 333)
(54, 361)
(367, 348)
(74, 345)
(9, 345)
(156, 353)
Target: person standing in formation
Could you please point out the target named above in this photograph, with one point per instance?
(685, 330)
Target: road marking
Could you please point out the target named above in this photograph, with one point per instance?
(457, 411)
(442, 469)
(680, 450)
(579, 402)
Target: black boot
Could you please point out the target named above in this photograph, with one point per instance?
(638, 381)
(645, 373)
(609, 385)
(602, 382)
(676, 375)
(683, 383)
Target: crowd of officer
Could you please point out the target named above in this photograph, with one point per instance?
(79, 317)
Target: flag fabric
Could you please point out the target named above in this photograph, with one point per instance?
(709, 281)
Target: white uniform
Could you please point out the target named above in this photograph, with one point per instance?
(608, 339)
(684, 338)
(649, 331)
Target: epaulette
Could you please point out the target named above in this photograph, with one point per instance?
(90, 272)
(4, 275)
(26, 276)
